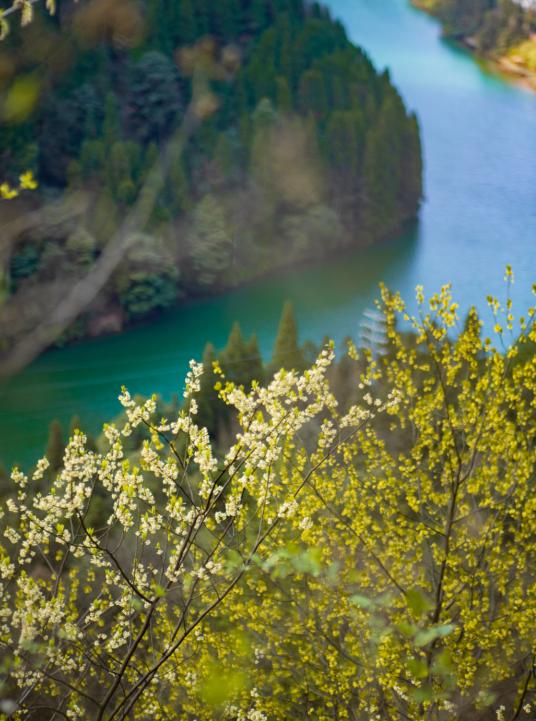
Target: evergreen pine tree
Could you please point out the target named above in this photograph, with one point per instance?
(234, 358)
(382, 171)
(55, 446)
(287, 353)
(411, 172)
(154, 98)
(119, 173)
(74, 425)
(283, 95)
(312, 93)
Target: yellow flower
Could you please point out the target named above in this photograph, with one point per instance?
(27, 181)
(7, 192)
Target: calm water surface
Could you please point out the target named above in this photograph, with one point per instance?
(479, 137)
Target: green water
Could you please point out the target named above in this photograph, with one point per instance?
(479, 137)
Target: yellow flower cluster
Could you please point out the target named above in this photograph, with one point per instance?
(26, 182)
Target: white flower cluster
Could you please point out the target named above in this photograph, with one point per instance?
(171, 518)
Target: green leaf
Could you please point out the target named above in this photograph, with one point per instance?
(221, 687)
(424, 693)
(426, 636)
(443, 663)
(362, 601)
(418, 603)
(407, 629)
(418, 668)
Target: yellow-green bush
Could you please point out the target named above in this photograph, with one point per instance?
(371, 561)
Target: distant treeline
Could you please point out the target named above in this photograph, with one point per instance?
(495, 26)
(304, 148)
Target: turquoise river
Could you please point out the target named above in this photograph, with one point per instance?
(479, 135)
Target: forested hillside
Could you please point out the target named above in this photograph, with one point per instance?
(302, 147)
(501, 28)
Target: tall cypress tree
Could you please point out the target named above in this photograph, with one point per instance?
(382, 170)
(283, 99)
(287, 353)
(234, 358)
(74, 425)
(411, 184)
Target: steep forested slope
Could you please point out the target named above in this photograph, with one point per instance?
(304, 148)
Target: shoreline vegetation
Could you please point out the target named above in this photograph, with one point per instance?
(516, 63)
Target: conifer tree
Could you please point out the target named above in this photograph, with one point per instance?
(74, 425)
(234, 358)
(411, 189)
(382, 170)
(312, 93)
(287, 353)
(55, 446)
(119, 173)
(283, 95)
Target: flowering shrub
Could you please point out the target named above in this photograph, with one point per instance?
(340, 560)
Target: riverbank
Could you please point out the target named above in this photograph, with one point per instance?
(516, 70)
(518, 65)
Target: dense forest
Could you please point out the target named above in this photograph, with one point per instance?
(493, 27)
(302, 148)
